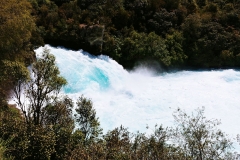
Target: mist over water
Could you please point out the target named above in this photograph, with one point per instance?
(142, 97)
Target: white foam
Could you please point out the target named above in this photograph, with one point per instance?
(139, 98)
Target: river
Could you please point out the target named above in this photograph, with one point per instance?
(144, 97)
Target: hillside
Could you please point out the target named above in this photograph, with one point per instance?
(175, 33)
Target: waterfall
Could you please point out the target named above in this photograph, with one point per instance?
(143, 97)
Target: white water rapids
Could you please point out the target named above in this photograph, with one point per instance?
(141, 97)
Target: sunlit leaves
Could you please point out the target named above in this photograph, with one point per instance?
(199, 138)
(86, 119)
(141, 46)
(43, 87)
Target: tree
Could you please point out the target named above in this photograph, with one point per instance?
(46, 124)
(86, 120)
(16, 26)
(58, 115)
(155, 145)
(42, 89)
(118, 144)
(3, 149)
(199, 138)
(162, 22)
(157, 49)
(175, 48)
(141, 46)
(12, 74)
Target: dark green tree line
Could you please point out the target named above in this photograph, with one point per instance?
(209, 29)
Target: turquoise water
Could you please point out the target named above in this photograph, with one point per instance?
(139, 98)
(95, 75)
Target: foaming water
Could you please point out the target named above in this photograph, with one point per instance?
(139, 98)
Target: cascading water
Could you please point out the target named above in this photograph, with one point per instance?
(139, 98)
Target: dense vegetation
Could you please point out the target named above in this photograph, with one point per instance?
(173, 33)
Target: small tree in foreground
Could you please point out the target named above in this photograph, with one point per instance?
(86, 119)
(37, 134)
(199, 138)
(43, 88)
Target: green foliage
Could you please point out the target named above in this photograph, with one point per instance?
(3, 149)
(121, 19)
(205, 42)
(155, 145)
(44, 128)
(41, 142)
(86, 120)
(118, 144)
(58, 116)
(107, 26)
(12, 73)
(141, 46)
(40, 127)
(112, 46)
(16, 26)
(174, 46)
(43, 88)
(199, 138)
(162, 22)
(13, 130)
